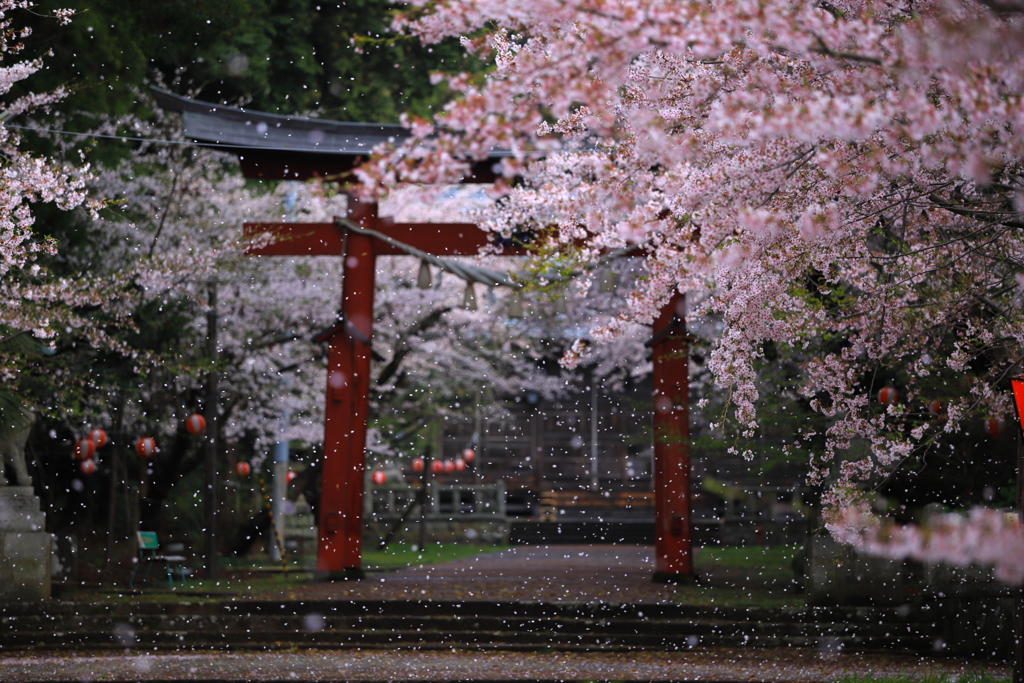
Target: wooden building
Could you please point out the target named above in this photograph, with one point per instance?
(585, 457)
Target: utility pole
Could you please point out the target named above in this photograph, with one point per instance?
(478, 439)
(212, 426)
(425, 499)
(595, 474)
(280, 491)
(115, 475)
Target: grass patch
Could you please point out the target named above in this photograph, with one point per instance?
(400, 555)
(969, 677)
(394, 556)
(196, 590)
(257, 575)
(774, 558)
(752, 576)
(735, 597)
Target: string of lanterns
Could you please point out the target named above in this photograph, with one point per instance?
(379, 477)
(145, 447)
(85, 449)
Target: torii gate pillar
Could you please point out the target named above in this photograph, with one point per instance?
(348, 388)
(672, 526)
(349, 353)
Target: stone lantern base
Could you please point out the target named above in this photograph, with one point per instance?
(24, 546)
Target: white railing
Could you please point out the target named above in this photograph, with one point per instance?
(462, 502)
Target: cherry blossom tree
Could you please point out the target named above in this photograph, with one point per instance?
(840, 177)
(439, 358)
(37, 304)
(172, 227)
(120, 304)
(178, 224)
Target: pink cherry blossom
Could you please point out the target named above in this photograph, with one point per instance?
(806, 172)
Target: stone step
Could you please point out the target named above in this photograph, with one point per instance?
(567, 623)
(553, 639)
(465, 609)
(554, 635)
(378, 624)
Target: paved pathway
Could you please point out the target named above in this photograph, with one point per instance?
(561, 573)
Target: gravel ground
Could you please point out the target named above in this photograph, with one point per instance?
(777, 665)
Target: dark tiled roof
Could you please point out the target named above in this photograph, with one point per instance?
(234, 127)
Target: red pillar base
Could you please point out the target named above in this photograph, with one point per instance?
(347, 574)
(685, 579)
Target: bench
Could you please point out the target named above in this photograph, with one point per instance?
(148, 545)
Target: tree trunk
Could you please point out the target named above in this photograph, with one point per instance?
(118, 437)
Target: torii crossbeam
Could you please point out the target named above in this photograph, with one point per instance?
(293, 148)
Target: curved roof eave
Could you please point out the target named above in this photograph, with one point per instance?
(272, 146)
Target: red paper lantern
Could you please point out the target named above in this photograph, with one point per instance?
(87, 467)
(888, 396)
(99, 437)
(460, 464)
(995, 427)
(417, 464)
(449, 467)
(379, 477)
(195, 424)
(468, 455)
(242, 469)
(290, 477)
(145, 447)
(85, 449)
(436, 466)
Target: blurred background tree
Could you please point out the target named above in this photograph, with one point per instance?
(171, 223)
(336, 60)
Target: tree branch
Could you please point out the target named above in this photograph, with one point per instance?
(402, 348)
(986, 216)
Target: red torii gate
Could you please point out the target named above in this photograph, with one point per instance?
(348, 373)
(277, 147)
